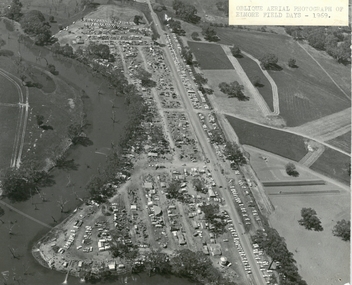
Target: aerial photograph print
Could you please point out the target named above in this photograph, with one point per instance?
(149, 142)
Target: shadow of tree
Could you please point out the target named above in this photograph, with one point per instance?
(84, 141)
(67, 164)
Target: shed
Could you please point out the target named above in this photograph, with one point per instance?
(157, 211)
(148, 185)
(112, 265)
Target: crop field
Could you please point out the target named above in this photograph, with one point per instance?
(306, 93)
(343, 142)
(210, 56)
(333, 164)
(281, 143)
(8, 117)
(253, 70)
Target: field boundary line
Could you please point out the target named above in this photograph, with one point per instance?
(274, 89)
(25, 215)
(288, 131)
(338, 86)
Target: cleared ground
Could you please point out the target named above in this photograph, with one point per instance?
(253, 71)
(284, 144)
(306, 93)
(210, 56)
(343, 142)
(321, 257)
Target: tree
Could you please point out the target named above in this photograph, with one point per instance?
(176, 28)
(187, 55)
(19, 184)
(223, 6)
(233, 152)
(2, 212)
(186, 12)
(145, 76)
(137, 19)
(195, 36)
(268, 60)
(33, 23)
(310, 220)
(13, 12)
(236, 52)
(98, 50)
(173, 191)
(291, 170)
(51, 19)
(256, 81)
(198, 185)
(209, 33)
(52, 69)
(234, 89)
(342, 229)
(292, 62)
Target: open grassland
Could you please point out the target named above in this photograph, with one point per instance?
(210, 56)
(59, 109)
(281, 143)
(306, 93)
(248, 109)
(343, 142)
(8, 118)
(321, 257)
(333, 164)
(109, 12)
(253, 71)
(8, 91)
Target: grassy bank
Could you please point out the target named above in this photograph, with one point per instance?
(253, 71)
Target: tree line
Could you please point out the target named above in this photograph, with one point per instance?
(335, 41)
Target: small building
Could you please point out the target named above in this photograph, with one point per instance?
(112, 265)
(211, 193)
(133, 207)
(157, 211)
(148, 185)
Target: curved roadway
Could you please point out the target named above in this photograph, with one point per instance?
(207, 148)
(22, 122)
